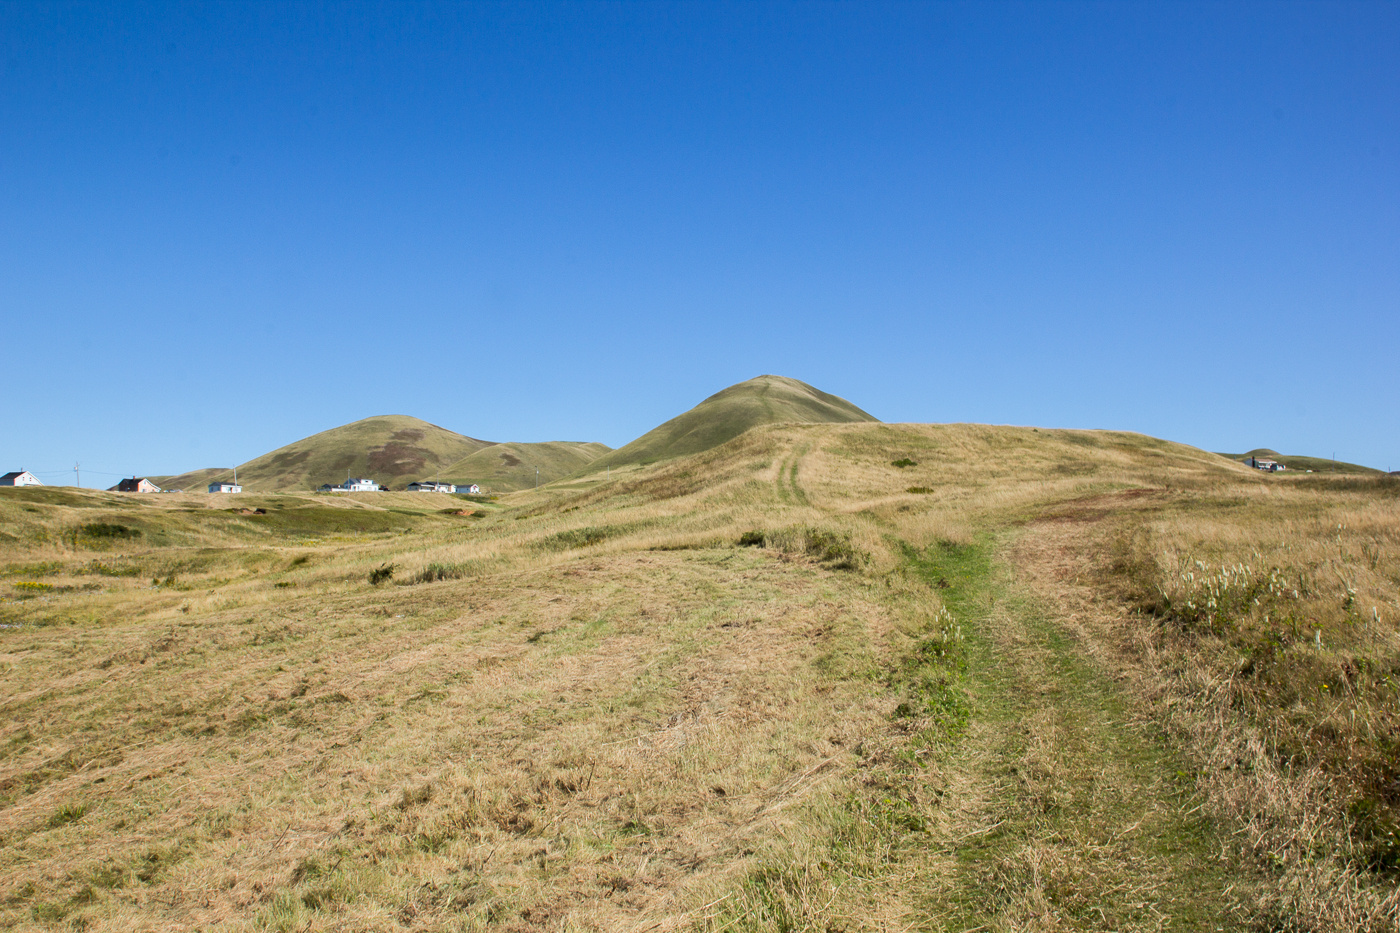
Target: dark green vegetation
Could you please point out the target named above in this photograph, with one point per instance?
(727, 414)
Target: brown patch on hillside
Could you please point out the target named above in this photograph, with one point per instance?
(286, 460)
(399, 459)
(510, 459)
(408, 434)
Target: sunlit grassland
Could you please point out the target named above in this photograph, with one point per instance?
(764, 686)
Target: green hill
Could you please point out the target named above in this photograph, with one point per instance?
(509, 467)
(1303, 464)
(731, 412)
(390, 449)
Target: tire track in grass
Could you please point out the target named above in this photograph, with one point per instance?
(1069, 812)
(799, 494)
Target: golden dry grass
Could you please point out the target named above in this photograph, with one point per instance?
(608, 715)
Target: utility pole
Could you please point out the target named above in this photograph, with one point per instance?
(78, 474)
(537, 477)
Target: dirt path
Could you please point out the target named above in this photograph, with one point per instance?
(1069, 812)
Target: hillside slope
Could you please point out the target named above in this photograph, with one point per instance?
(511, 466)
(731, 412)
(1293, 462)
(944, 677)
(391, 449)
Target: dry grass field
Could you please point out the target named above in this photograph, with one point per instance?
(825, 677)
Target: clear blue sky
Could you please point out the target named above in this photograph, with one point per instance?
(224, 227)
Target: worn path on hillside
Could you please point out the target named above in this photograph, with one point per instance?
(1070, 811)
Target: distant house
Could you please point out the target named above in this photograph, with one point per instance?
(135, 484)
(1268, 466)
(361, 485)
(431, 487)
(225, 487)
(21, 478)
(473, 489)
(327, 487)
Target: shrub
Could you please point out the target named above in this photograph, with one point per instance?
(903, 462)
(919, 489)
(751, 539)
(104, 530)
(381, 574)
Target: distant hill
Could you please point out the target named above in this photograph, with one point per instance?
(508, 467)
(391, 449)
(731, 412)
(1316, 464)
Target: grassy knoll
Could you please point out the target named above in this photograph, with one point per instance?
(821, 676)
(511, 467)
(1304, 464)
(729, 413)
(392, 449)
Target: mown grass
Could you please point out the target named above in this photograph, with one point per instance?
(762, 686)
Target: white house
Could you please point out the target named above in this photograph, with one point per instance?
(360, 485)
(21, 478)
(225, 487)
(431, 487)
(473, 489)
(1269, 466)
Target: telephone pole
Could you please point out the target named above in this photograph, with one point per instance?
(78, 474)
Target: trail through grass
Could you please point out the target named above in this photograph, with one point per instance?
(1074, 814)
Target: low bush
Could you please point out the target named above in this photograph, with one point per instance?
(903, 462)
(104, 530)
(381, 574)
(751, 539)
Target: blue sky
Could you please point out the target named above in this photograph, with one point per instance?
(224, 227)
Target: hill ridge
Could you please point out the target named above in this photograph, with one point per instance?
(766, 399)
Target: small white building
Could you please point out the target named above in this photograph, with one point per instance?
(431, 487)
(1268, 466)
(360, 485)
(472, 490)
(20, 478)
(225, 487)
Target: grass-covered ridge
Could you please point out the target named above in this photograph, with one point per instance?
(1304, 464)
(763, 686)
(729, 413)
(510, 467)
(396, 450)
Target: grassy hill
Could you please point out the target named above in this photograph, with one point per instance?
(391, 449)
(821, 676)
(1303, 464)
(729, 413)
(509, 467)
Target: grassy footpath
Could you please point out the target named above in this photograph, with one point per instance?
(1017, 791)
(1075, 815)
